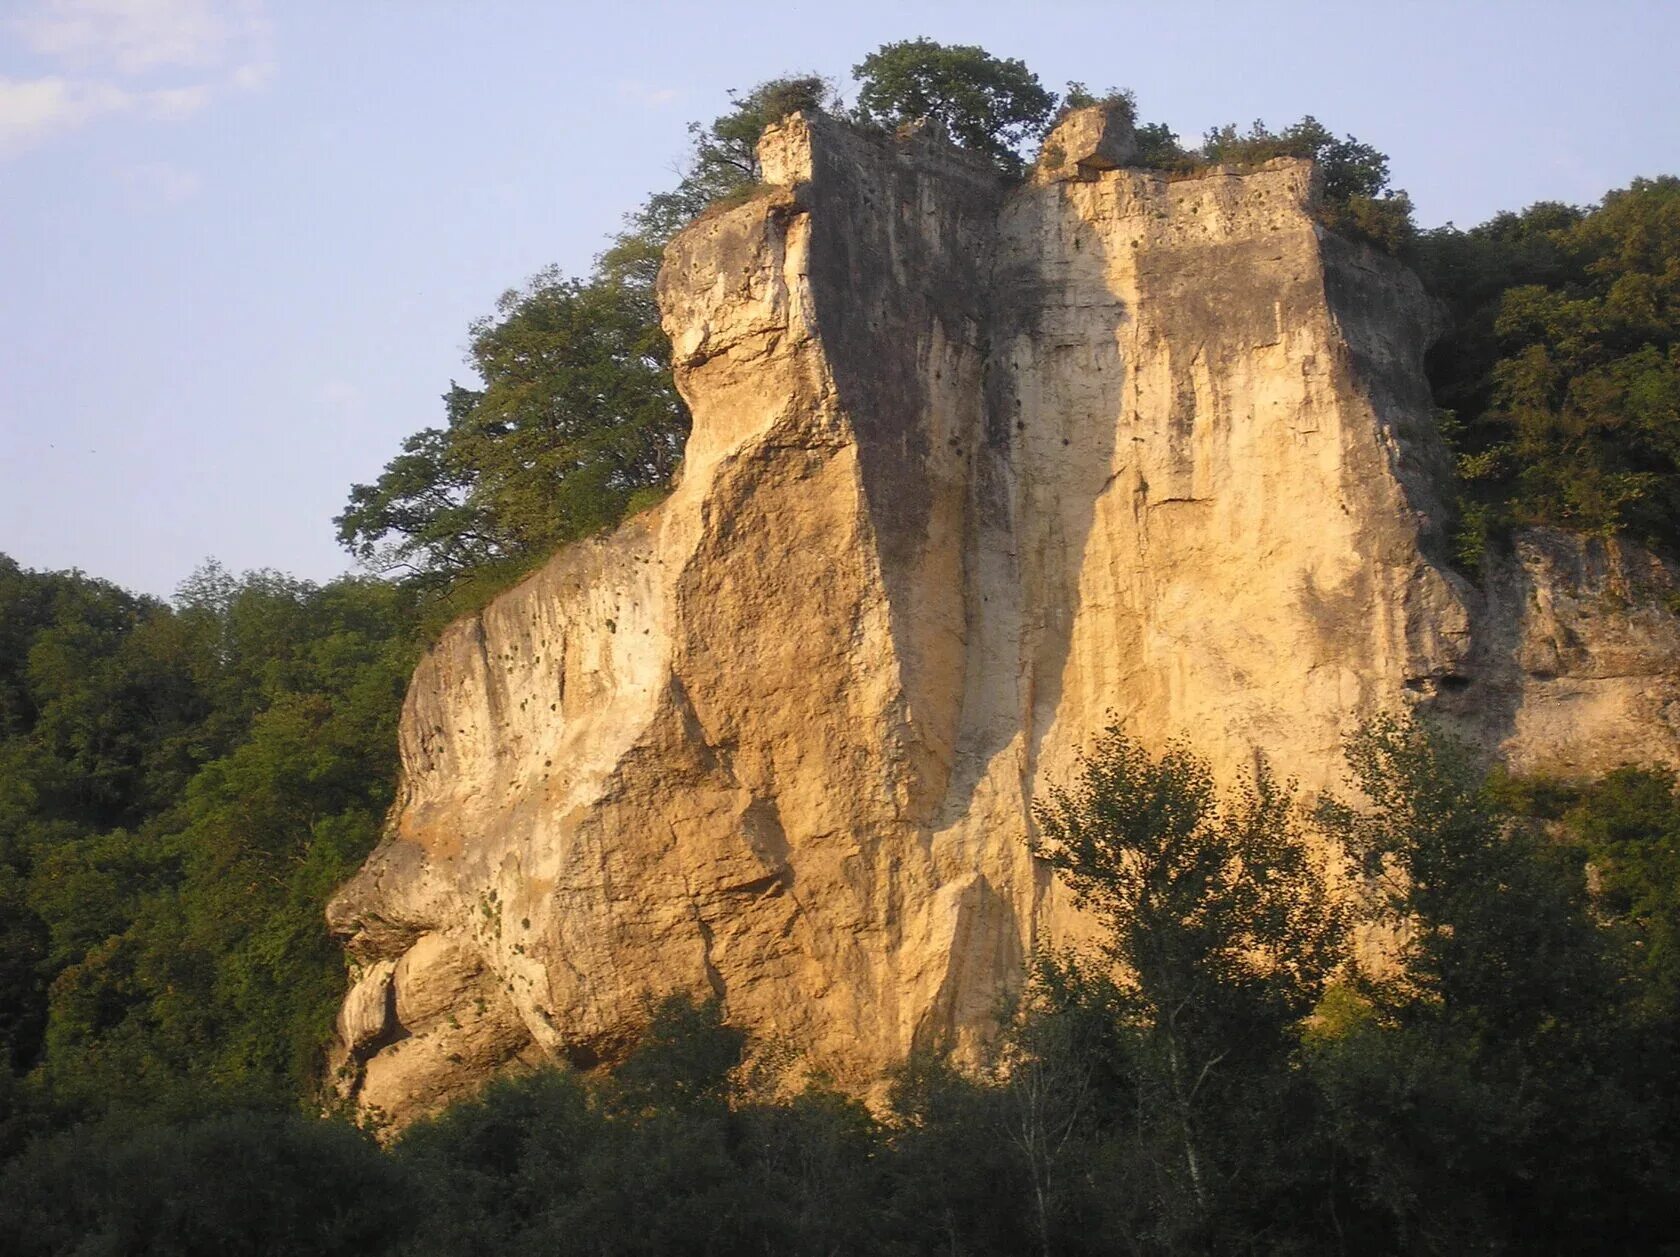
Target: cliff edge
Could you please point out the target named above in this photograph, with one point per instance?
(975, 470)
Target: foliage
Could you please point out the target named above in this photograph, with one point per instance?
(1495, 1093)
(1624, 828)
(1217, 915)
(1355, 198)
(1121, 100)
(687, 1057)
(577, 414)
(1347, 167)
(1221, 937)
(577, 422)
(1434, 841)
(243, 1183)
(1627, 825)
(1563, 370)
(184, 787)
(1503, 1044)
(989, 104)
(669, 1156)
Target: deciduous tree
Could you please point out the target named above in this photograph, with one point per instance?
(989, 104)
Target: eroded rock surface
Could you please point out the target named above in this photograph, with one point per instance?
(974, 472)
(1086, 142)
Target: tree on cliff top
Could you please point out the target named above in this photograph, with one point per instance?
(577, 415)
(1354, 195)
(989, 104)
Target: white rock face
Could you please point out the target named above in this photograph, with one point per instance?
(973, 473)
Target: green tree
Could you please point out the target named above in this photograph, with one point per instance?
(1221, 936)
(577, 421)
(686, 1058)
(217, 970)
(1561, 378)
(1628, 826)
(989, 104)
(577, 417)
(1347, 167)
(1485, 1100)
(1354, 194)
(669, 1155)
(23, 994)
(242, 1183)
(181, 788)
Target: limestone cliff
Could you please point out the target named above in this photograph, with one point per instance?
(974, 470)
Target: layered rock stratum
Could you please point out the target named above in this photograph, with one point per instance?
(976, 471)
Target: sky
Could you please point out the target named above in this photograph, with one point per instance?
(241, 242)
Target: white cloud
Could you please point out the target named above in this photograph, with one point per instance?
(251, 76)
(102, 45)
(136, 36)
(175, 103)
(34, 110)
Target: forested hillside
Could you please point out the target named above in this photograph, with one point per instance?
(183, 783)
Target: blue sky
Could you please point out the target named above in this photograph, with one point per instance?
(242, 241)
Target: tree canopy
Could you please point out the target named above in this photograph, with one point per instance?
(1560, 384)
(989, 104)
(181, 786)
(576, 417)
(1215, 1074)
(722, 162)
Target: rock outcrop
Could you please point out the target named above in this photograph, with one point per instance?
(975, 471)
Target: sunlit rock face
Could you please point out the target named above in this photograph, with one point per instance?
(975, 472)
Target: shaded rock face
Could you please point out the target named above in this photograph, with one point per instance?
(974, 472)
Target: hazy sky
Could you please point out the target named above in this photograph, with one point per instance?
(241, 242)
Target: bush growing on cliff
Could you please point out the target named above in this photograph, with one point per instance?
(722, 161)
(1356, 199)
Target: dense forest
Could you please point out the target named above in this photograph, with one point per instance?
(183, 783)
